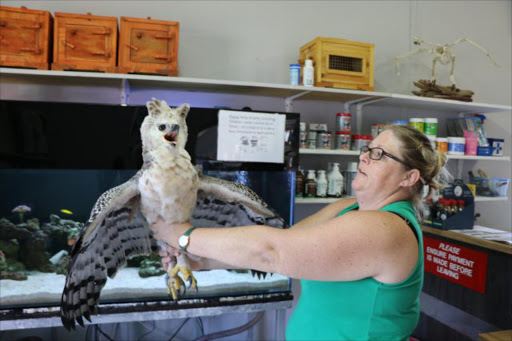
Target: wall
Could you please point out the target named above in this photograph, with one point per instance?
(256, 40)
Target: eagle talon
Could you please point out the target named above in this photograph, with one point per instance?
(176, 286)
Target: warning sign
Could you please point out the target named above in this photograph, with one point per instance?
(455, 263)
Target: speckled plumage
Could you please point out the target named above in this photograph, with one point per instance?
(167, 186)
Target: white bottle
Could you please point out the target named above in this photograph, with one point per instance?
(308, 73)
(335, 181)
(321, 184)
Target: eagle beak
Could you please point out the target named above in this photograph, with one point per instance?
(171, 137)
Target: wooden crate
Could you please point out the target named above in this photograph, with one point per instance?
(85, 42)
(25, 37)
(340, 63)
(148, 46)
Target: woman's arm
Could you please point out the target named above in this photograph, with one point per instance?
(356, 245)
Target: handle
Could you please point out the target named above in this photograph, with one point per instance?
(69, 45)
(131, 47)
(166, 58)
(168, 36)
(34, 50)
(107, 32)
(106, 54)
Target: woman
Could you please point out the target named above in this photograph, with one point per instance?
(360, 260)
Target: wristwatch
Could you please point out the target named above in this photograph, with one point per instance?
(184, 239)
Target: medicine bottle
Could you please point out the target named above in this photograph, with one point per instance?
(321, 184)
(309, 73)
(310, 187)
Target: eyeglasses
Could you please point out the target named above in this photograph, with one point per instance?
(377, 153)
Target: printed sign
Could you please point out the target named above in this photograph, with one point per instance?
(461, 265)
(250, 136)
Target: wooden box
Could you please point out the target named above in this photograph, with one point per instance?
(25, 36)
(340, 63)
(148, 46)
(85, 42)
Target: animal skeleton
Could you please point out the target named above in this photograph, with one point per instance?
(442, 53)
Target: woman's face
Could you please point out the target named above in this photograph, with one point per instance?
(380, 176)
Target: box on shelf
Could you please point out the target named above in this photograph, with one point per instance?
(340, 63)
(461, 220)
(85, 42)
(148, 46)
(25, 37)
(497, 146)
(491, 187)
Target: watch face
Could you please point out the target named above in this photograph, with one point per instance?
(183, 241)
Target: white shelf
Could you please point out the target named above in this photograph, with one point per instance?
(306, 151)
(481, 199)
(317, 200)
(485, 158)
(331, 200)
(328, 151)
(253, 88)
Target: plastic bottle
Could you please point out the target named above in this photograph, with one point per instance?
(299, 184)
(310, 187)
(335, 181)
(321, 184)
(309, 73)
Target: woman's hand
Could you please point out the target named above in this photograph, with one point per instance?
(169, 233)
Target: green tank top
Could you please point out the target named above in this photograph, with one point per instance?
(361, 310)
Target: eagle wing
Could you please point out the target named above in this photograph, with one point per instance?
(223, 203)
(115, 231)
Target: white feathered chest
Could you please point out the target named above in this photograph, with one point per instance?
(168, 187)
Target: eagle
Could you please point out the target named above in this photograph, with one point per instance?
(169, 187)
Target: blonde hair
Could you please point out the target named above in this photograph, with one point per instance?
(417, 152)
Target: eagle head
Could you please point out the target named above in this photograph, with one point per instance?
(164, 127)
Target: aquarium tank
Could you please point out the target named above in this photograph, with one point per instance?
(56, 159)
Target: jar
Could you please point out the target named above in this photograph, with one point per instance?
(442, 144)
(417, 123)
(343, 121)
(323, 140)
(294, 74)
(456, 145)
(377, 129)
(312, 139)
(342, 140)
(303, 136)
(430, 126)
(359, 141)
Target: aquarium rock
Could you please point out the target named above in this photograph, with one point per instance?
(10, 248)
(33, 224)
(16, 276)
(32, 245)
(58, 256)
(150, 267)
(61, 267)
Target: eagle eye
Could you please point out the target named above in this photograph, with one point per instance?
(161, 127)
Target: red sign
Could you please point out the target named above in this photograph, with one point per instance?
(461, 265)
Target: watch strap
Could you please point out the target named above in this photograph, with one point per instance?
(187, 234)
